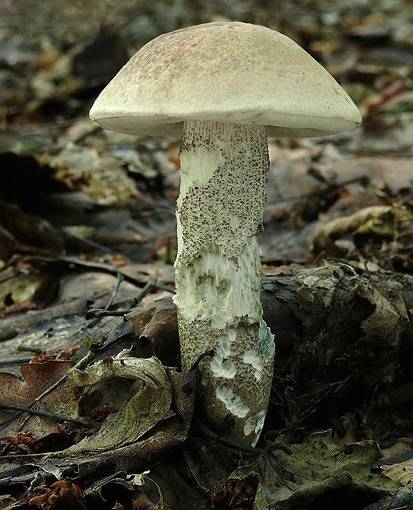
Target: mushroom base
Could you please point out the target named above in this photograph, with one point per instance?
(218, 274)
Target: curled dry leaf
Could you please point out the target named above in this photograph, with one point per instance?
(233, 494)
(381, 222)
(19, 444)
(398, 462)
(149, 402)
(157, 323)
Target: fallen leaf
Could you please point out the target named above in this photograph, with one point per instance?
(387, 224)
(25, 291)
(401, 472)
(157, 323)
(100, 177)
(36, 378)
(148, 403)
(316, 471)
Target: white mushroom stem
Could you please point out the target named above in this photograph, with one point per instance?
(218, 273)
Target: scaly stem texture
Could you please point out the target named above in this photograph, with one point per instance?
(218, 273)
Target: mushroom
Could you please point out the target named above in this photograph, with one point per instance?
(224, 87)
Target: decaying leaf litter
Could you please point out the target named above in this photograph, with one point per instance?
(89, 343)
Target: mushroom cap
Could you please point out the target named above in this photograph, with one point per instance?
(225, 72)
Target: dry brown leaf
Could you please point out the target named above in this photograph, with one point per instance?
(28, 231)
(380, 221)
(157, 323)
(401, 472)
(37, 377)
(146, 402)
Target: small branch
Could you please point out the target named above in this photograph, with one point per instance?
(120, 278)
(97, 313)
(206, 354)
(109, 343)
(236, 446)
(87, 242)
(17, 361)
(147, 289)
(227, 442)
(53, 416)
(74, 263)
(93, 312)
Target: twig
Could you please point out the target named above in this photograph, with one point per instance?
(109, 343)
(21, 456)
(206, 354)
(74, 263)
(80, 364)
(87, 242)
(17, 361)
(227, 442)
(119, 279)
(95, 312)
(46, 414)
(236, 446)
(149, 287)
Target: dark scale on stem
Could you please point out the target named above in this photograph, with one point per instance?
(229, 210)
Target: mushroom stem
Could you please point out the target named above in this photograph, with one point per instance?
(218, 273)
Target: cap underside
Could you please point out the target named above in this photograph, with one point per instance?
(154, 126)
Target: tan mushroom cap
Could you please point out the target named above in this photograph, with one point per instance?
(226, 72)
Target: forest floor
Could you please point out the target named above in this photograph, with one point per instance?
(87, 245)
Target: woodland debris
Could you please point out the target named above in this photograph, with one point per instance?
(138, 409)
(343, 327)
(391, 226)
(314, 470)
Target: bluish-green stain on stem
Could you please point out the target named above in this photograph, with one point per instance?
(266, 339)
